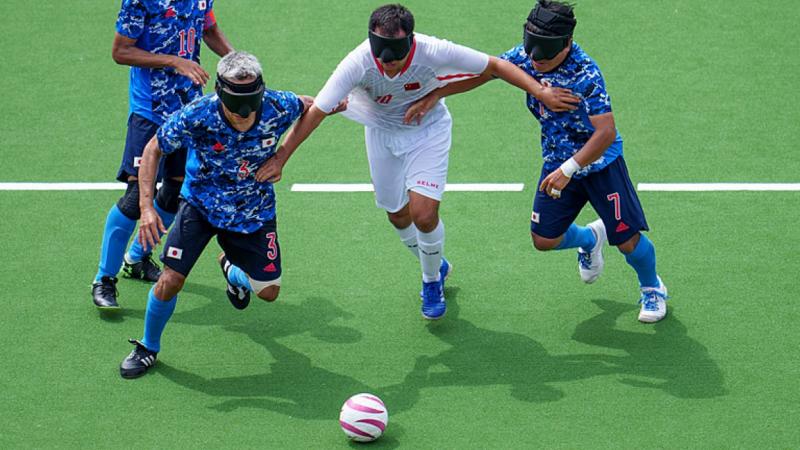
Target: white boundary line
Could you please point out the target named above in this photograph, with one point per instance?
(713, 187)
(62, 186)
(453, 187)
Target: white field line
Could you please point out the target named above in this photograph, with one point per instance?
(713, 187)
(454, 187)
(62, 186)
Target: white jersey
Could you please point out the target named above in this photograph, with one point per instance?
(376, 100)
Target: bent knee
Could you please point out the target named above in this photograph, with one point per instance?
(543, 244)
(630, 245)
(269, 293)
(169, 283)
(426, 223)
(399, 221)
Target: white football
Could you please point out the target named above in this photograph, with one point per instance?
(363, 417)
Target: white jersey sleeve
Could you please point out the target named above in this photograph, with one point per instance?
(345, 78)
(454, 62)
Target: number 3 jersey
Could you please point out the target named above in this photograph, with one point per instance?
(222, 161)
(169, 27)
(378, 101)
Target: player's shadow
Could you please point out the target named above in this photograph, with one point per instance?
(483, 357)
(291, 384)
(668, 359)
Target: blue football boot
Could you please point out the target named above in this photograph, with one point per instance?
(433, 305)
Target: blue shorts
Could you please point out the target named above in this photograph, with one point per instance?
(140, 131)
(257, 254)
(611, 194)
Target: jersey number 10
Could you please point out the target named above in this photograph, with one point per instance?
(187, 42)
(384, 99)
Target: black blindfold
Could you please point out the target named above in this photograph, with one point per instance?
(241, 99)
(390, 49)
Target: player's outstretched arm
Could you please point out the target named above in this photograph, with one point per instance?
(556, 99)
(149, 223)
(125, 52)
(416, 112)
(309, 121)
(216, 40)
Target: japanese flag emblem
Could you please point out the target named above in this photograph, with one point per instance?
(268, 142)
(535, 217)
(202, 5)
(137, 161)
(174, 253)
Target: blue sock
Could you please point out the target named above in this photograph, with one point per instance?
(238, 278)
(155, 319)
(578, 236)
(643, 261)
(118, 231)
(137, 252)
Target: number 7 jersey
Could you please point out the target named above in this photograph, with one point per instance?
(378, 101)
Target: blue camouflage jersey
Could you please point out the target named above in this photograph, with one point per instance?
(222, 161)
(170, 27)
(565, 133)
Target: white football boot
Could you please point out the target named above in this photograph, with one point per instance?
(654, 303)
(590, 265)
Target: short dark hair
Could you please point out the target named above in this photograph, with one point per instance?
(391, 19)
(562, 27)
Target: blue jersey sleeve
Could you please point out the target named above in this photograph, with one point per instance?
(130, 21)
(592, 88)
(174, 133)
(290, 102)
(516, 56)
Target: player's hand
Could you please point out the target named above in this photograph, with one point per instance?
(191, 70)
(271, 170)
(416, 112)
(554, 183)
(342, 106)
(149, 226)
(559, 99)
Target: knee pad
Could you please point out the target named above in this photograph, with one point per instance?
(129, 203)
(167, 196)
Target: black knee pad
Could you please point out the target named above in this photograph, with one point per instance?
(129, 203)
(168, 195)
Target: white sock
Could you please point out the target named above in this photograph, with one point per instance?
(431, 248)
(409, 237)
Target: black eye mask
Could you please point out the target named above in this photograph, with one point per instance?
(558, 27)
(540, 47)
(241, 99)
(390, 49)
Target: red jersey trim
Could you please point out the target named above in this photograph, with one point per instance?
(457, 75)
(210, 20)
(410, 56)
(377, 63)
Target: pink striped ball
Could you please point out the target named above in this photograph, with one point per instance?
(363, 417)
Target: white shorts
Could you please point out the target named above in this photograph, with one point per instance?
(414, 160)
